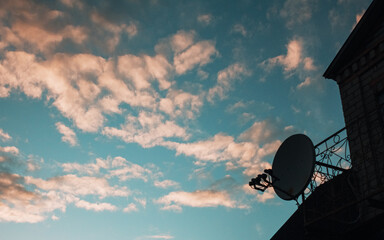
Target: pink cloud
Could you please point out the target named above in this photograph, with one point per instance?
(200, 198)
(10, 149)
(358, 17)
(4, 136)
(131, 208)
(294, 62)
(180, 103)
(69, 135)
(201, 53)
(182, 40)
(75, 185)
(147, 129)
(292, 59)
(166, 184)
(225, 79)
(142, 70)
(306, 82)
(206, 19)
(97, 207)
(160, 237)
(115, 30)
(20, 205)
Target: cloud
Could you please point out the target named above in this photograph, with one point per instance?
(10, 149)
(131, 171)
(260, 196)
(21, 205)
(213, 149)
(306, 82)
(308, 64)
(261, 132)
(291, 60)
(200, 198)
(30, 199)
(358, 17)
(97, 207)
(72, 3)
(296, 12)
(159, 237)
(141, 201)
(205, 19)
(239, 28)
(75, 185)
(147, 129)
(117, 167)
(86, 88)
(166, 184)
(224, 80)
(178, 103)
(69, 135)
(182, 40)
(131, 29)
(63, 76)
(131, 208)
(4, 136)
(238, 105)
(34, 31)
(200, 53)
(115, 30)
(141, 70)
(248, 151)
(295, 62)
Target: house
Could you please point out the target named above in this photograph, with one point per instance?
(351, 205)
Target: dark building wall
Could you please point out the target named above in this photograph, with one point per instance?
(361, 84)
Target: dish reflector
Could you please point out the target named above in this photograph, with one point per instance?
(293, 166)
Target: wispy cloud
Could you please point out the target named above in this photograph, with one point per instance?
(130, 208)
(239, 28)
(148, 129)
(205, 19)
(161, 237)
(115, 30)
(97, 207)
(296, 62)
(10, 149)
(200, 54)
(82, 186)
(117, 167)
(22, 205)
(296, 12)
(166, 184)
(72, 3)
(358, 17)
(225, 79)
(69, 135)
(291, 60)
(4, 136)
(201, 198)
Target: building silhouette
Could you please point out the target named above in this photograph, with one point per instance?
(349, 204)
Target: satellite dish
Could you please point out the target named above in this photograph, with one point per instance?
(293, 166)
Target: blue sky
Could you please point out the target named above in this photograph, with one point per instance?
(146, 119)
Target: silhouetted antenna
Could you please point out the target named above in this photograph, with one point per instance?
(292, 168)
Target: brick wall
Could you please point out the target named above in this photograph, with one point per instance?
(361, 86)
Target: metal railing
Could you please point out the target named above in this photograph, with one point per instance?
(332, 158)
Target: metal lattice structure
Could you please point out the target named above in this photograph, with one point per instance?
(332, 158)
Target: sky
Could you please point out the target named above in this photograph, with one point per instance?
(147, 119)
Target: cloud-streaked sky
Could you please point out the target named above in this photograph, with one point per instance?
(146, 119)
